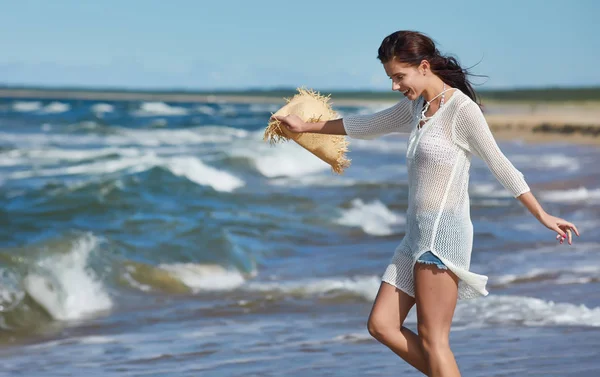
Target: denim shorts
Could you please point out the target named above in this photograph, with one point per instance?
(429, 258)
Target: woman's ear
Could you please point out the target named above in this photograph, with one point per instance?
(424, 67)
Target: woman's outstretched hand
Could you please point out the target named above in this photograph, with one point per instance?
(292, 122)
(560, 226)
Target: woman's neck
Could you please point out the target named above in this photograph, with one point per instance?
(434, 90)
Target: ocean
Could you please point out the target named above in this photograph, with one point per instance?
(168, 239)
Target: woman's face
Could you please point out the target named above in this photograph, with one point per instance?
(407, 79)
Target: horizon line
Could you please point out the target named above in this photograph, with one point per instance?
(265, 89)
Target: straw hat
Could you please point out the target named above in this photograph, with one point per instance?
(310, 106)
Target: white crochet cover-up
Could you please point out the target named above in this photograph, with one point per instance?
(438, 159)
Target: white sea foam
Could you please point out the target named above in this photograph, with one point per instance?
(44, 156)
(361, 286)
(40, 157)
(65, 286)
(495, 310)
(134, 283)
(204, 109)
(12, 158)
(527, 311)
(282, 160)
(41, 139)
(96, 339)
(575, 264)
(11, 293)
(277, 166)
(130, 164)
(159, 108)
(489, 190)
(129, 137)
(194, 170)
(185, 166)
(567, 275)
(203, 277)
(56, 108)
(581, 194)
(25, 107)
(374, 217)
(227, 110)
(197, 135)
(101, 108)
(547, 162)
(481, 312)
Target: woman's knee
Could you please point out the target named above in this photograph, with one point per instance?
(389, 311)
(375, 327)
(379, 327)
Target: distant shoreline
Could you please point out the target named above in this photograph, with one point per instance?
(548, 95)
(532, 121)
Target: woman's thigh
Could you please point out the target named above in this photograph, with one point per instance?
(391, 306)
(436, 292)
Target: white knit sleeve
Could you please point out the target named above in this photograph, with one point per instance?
(473, 134)
(397, 118)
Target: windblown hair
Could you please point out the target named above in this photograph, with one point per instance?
(412, 47)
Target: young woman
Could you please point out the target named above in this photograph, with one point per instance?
(430, 266)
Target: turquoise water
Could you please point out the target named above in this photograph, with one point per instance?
(145, 238)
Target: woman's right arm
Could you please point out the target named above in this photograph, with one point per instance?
(295, 124)
(397, 118)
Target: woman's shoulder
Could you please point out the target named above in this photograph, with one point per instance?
(463, 104)
(459, 98)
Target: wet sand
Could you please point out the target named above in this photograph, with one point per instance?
(548, 123)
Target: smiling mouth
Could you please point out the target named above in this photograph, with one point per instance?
(406, 92)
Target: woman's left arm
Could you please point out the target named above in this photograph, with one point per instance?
(560, 226)
(473, 134)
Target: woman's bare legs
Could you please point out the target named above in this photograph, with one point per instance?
(385, 324)
(436, 292)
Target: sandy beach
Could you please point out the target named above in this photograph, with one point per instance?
(577, 122)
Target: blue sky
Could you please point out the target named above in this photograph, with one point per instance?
(235, 44)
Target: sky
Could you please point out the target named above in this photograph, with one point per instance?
(320, 44)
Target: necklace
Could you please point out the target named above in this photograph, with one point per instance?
(425, 118)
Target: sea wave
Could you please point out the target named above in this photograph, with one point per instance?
(374, 217)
